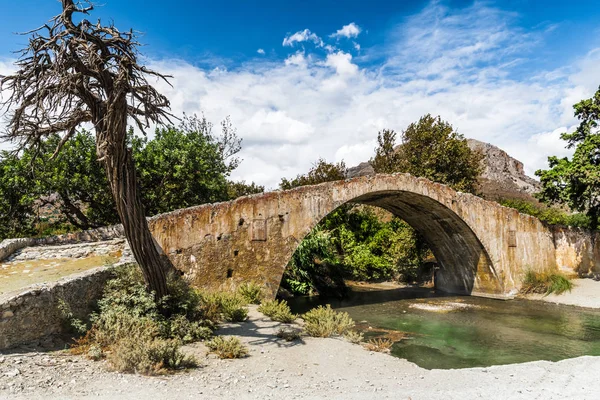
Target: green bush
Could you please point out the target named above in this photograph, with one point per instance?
(148, 356)
(136, 333)
(277, 310)
(224, 306)
(251, 292)
(545, 283)
(325, 322)
(227, 347)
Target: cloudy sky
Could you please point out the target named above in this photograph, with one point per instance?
(314, 79)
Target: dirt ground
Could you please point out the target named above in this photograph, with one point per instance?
(308, 369)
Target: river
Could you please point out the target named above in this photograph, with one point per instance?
(446, 332)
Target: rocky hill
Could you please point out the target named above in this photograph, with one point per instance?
(503, 176)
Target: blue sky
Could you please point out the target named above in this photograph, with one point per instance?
(329, 75)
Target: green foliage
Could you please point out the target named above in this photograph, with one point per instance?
(549, 215)
(277, 310)
(71, 322)
(227, 347)
(251, 292)
(431, 149)
(325, 322)
(224, 306)
(387, 159)
(321, 172)
(241, 188)
(180, 167)
(576, 182)
(545, 283)
(185, 166)
(136, 333)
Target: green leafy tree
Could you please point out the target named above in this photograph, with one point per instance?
(241, 188)
(321, 171)
(16, 198)
(576, 182)
(186, 166)
(387, 159)
(430, 148)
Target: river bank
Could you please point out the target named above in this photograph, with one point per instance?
(309, 369)
(585, 293)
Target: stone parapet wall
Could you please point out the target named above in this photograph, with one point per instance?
(91, 235)
(9, 246)
(34, 313)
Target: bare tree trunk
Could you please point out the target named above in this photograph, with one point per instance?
(120, 169)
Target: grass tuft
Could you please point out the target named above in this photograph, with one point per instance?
(251, 292)
(227, 347)
(381, 345)
(325, 322)
(545, 283)
(277, 310)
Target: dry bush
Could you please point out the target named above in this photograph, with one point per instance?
(251, 292)
(325, 322)
(227, 347)
(289, 335)
(382, 345)
(354, 336)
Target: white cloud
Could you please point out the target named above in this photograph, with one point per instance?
(342, 63)
(348, 31)
(260, 51)
(356, 46)
(302, 36)
(307, 106)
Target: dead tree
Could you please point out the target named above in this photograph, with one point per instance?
(78, 73)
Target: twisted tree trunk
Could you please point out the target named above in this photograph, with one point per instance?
(118, 162)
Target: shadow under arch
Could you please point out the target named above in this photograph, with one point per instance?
(464, 264)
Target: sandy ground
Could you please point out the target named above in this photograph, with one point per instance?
(307, 369)
(585, 293)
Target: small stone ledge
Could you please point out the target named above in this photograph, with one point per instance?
(34, 312)
(9, 246)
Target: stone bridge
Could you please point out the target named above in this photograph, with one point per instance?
(482, 248)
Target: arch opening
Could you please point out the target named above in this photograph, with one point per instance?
(464, 264)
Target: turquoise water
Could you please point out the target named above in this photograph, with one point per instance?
(460, 331)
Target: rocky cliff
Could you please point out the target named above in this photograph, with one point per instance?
(502, 176)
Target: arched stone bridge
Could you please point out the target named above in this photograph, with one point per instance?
(482, 248)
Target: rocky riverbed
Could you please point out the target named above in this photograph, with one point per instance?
(308, 369)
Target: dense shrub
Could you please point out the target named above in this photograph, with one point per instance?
(227, 347)
(251, 292)
(325, 322)
(353, 336)
(224, 306)
(277, 310)
(136, 333)
(545, 283)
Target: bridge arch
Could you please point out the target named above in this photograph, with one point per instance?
(465, 265)
(482, 247)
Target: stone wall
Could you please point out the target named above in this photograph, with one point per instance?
(9, 246)
(577, 251)
(34, 313)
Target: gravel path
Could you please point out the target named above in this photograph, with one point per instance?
(308, 369)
